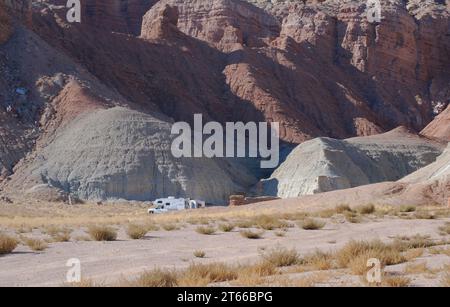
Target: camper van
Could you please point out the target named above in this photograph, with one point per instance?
(164, 205)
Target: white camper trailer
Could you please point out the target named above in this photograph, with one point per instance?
(169, 204)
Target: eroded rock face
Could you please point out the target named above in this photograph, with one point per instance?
(122, 154)
(323, 165)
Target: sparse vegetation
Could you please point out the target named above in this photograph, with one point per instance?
(170, 227)
(445, 229)
(36, 245)
(249, 234)
(206, 230)
(204, 274)
(424, 215)
(136, 232)
(281, 257)
(199, 254)
(416, 268)
(280, 233)
(156, 278)
(102, 233)
(342, 209)
(352, 217)
(407, 208)
(267, 222)
(365, 209)
(356, 253)
(312, 224)
(226, 227)
(7, 244)
(319, 260)
(396, 281)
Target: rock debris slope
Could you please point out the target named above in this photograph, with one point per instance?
(324, 164)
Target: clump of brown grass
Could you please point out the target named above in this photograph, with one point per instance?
(343, 208)
(407, 208)
(424, 215)
(170, 227)
(281, 257)
(253, 275)
(396, 281)
(102, 233)
(268, 222)
(352, 217)
(294, 216)
(365, 209)
(417, 241)
(204, 274)
(312, 224)
(206, 230)
(199, 254)
(58, 234)
(157, 278)
(244, 224)
(413, 253)
(416, 268)
(36, 245)
(249, 234)
(319, 260)
(445, 229)
(446, 280)
(354, 255)
(136, 232)
(226, 227)
(7, 244)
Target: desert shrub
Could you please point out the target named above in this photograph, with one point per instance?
(249, 234)
(136, 232)
(312, 224)
(268, 222)
(407, 208)
(352, 217)
(364, 250)
(365, 209)
(343, 208)
(319, 260)
(36, 245)
(206, 230)
(424, 215)
(156, 278)
(207, 273)
(170, 227)
(7, 244)
(281, 257)
(102, 233)
(396, 281)
(226, 227)
(199, 254)
(445, 229)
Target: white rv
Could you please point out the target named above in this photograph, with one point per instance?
(169, 204)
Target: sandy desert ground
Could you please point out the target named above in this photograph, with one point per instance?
(179, 243)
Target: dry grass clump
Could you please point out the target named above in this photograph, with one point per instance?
(365, 209)
(244, 224)
(407, 208)
(424, 215)
(441, 251)
(280, 233)
(418, 241)
(249, 234)
(226, 227)
(414, 253)
(7, 244)
(312, 224)
(268, 222)
(254, 275)
(396, 281)
(416, 268)
(320, 261)
(206, 230)
(199, 254)
(446, 280)
(102, 233)
(294, 216)
(281, 257)
(355, 254)
(58, 234)
(157, 278)
(36, 245)
(170, 227)
(204, 274)
(445, 229)
(352, 217)
(342, 209)
(136, 232)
